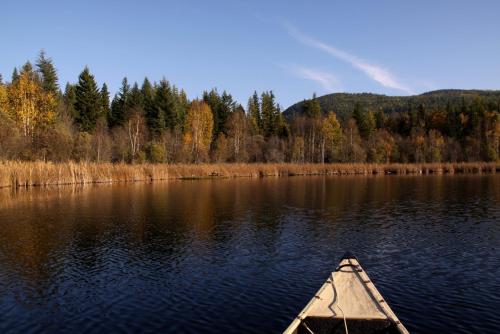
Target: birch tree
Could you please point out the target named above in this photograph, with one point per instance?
(198, 130)
(29, 105)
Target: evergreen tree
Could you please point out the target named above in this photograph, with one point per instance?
(227, 106)
(222, 106)
(313, 108)
(135, 99)
(161, 117)
(365, 120)
(282, 129)
(88, 101)
(183, 105)
(105, 107)
(119, 105)
(269, 113)
(214, 101)
(358, 113)
(48, 73)
(69, 99)
(180, 107)
(254, 113)
(148, 96)
(15, 75)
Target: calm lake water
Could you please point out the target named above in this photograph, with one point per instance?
(245, 255)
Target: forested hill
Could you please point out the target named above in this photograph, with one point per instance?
(343, 103)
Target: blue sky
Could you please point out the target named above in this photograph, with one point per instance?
(294, 48)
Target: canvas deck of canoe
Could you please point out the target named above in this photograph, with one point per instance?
(348, 302)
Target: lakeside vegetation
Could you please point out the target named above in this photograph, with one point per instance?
(157, 123)
(26, 174)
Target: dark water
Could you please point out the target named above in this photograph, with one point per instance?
(244, 256)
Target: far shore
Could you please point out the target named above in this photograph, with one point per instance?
(16, 174)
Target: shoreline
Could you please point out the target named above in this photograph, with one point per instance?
(17, 174)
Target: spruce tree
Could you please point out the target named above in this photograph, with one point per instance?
(184, 104)
(119, 105)
(135, 99)
(269, 113)
(105, 107)
(168, 106)
(222, 106)
(227, 107)
(88, 101)
(161, 117)
(48, 73)
(15, 75)
(69, 99)
(148, 96)
(180, 107)
(254, 113)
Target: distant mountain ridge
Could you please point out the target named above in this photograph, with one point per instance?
(343, 103)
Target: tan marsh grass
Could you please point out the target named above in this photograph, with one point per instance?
(26, 174)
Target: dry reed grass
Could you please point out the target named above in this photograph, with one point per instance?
(26, 174)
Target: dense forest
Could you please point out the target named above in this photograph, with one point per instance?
(156, 122)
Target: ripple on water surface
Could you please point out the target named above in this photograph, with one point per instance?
(246, 255)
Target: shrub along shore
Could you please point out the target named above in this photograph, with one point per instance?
(27, 174)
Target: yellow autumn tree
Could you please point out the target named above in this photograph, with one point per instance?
(331, 135)
(198, 130)
(3, 99)
(29, 105)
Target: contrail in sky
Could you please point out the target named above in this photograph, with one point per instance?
(377, 73)
(328, 81)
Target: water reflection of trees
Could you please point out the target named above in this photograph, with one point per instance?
(90, 229)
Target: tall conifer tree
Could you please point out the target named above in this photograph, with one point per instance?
(269, 113)
(254, 113)
(119, 105)
(88, 101)
(148, 95)
(69, 99)
(15, 75)
(105, 107)
(48, 73)
(162, 117)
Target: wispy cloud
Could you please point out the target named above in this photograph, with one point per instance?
(375, 72)
(327, 80)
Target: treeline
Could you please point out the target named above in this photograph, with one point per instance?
(156, 122)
